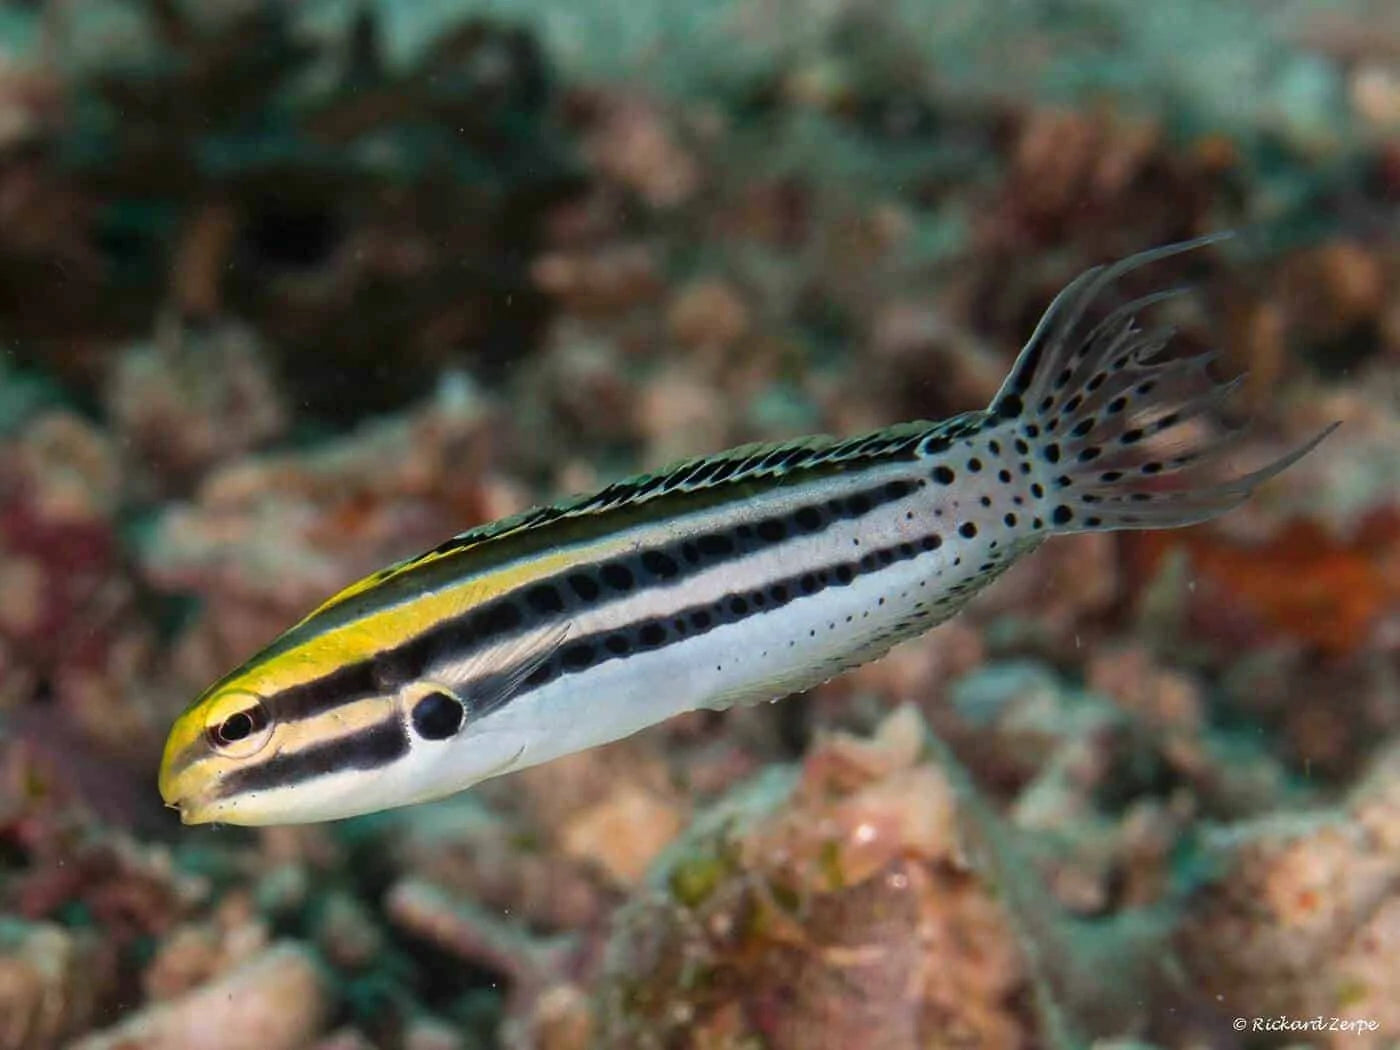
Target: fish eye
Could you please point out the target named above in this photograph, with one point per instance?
(238, 728)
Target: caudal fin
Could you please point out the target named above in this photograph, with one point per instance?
(1108, 416)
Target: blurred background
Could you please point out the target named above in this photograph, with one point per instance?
(291, 290)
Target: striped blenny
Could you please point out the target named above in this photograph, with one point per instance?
(735, 578)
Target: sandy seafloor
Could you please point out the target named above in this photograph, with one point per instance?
(290, 291)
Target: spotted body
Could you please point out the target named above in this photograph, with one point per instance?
(735, 578)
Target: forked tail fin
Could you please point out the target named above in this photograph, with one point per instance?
(1108, 415)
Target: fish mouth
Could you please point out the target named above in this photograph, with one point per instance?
(196, 808)
(192, 812)
(193, 808)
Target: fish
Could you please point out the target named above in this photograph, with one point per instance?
(729, 579)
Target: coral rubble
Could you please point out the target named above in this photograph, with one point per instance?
(291, 291)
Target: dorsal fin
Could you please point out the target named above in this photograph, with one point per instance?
(744, 463)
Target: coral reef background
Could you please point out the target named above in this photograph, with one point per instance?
(291, 290)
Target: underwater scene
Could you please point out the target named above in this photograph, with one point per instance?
(413, 488)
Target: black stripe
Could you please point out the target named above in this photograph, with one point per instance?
(657, 633)
(369, 748)
(692, 486)
(668, 564)
(357, 681)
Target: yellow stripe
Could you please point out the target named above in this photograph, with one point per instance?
(345, 720)
(394, 625)
(385, 629)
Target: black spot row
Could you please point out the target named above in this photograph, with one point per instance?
(572, 591)
(661, 631)
(660, 565)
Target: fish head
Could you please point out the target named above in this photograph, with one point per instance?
(253, 751)
(226, 730)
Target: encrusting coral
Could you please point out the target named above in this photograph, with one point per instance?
(825, 907)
